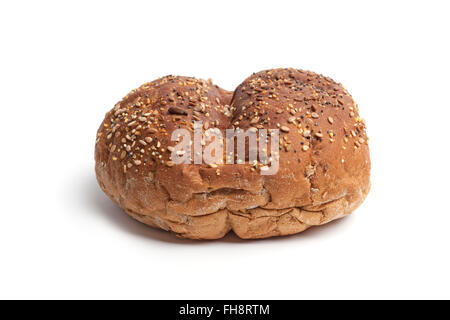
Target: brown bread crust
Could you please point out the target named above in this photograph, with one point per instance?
(324, 156)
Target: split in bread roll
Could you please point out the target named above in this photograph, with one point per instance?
(323, 156)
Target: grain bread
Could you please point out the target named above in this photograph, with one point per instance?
(324, 163)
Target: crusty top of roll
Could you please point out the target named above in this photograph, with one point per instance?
(323, 155)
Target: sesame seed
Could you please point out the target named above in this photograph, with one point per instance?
(119, 112)
(330, 120)
(137, 162)
(254, 120)
(305, 147)
(284, 129)
(314, 115)
(170, 163)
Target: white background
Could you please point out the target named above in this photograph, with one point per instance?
(64, 64)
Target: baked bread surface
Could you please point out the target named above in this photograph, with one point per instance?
(324, 163)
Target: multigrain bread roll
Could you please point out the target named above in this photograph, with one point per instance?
(323, 156)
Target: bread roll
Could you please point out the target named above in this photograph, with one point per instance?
(324, 163)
